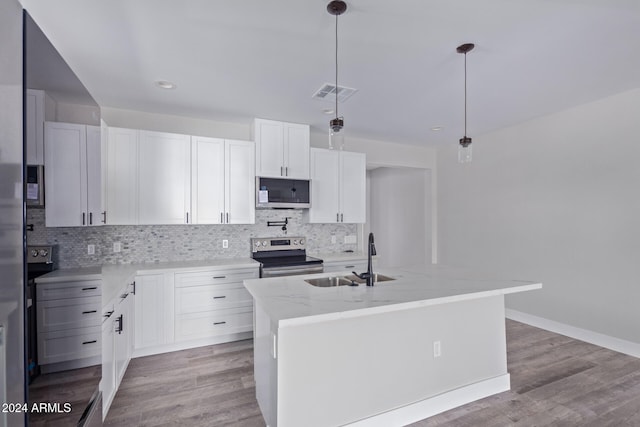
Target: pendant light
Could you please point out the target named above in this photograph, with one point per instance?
(464, 150)
(336, 125)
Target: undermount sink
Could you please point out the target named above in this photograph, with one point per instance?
(376, 278)
(326, 282)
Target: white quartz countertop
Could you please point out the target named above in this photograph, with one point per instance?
(115, 277)
(291, 301)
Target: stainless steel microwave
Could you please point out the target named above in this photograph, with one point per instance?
(283, 193)
(34, 191)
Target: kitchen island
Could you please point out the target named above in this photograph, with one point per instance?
(391, 354)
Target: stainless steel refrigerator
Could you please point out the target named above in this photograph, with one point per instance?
(12, 370)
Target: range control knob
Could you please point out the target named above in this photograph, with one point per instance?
(44, 252)
(34, 253)
(302, 241)
(295, 242)
(257, 244)
(264, 243)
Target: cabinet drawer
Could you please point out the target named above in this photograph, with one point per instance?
(213, 277)
(71, 313)
(346, 266)
(219, 322)
(60, 346)
(196, 299)
(85, 288)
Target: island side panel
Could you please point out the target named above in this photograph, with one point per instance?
(341, 371)
(264, 364)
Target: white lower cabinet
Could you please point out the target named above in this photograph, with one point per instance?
(117, 339)
(213, 303)
(69, 324)
(153, 310)
(346, 267)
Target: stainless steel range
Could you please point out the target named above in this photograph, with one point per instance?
(40, 260)
(284, 256)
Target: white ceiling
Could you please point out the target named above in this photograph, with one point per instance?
(235, 60)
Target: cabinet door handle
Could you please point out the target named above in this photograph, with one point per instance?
(219, 323)
(104, 217)
(227, 217)
(90, 289)
(337, 217)
(83, 218)
(90, 342)
(90, 311)
(223, 296)
(119, 327)
(90, 218)
(281, 171)
(286, 171)
(123, 296)
(341, 217)
(221, 218)
(134, 287)
(108, 314)
(219, 277)
(187, 217)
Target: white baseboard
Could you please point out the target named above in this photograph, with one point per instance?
(185, 345)
(435, 405)
(606, 341)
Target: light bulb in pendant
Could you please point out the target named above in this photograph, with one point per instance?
(336, 134)
(465, 150)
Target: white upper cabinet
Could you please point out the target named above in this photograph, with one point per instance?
(122, 176)
(34, 127)
(282, 149)
(222, 182)
(73, 175)
(338, 187)
(207, 180)
(240, 182)
(164, 178)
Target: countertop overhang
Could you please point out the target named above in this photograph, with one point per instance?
(291, 301)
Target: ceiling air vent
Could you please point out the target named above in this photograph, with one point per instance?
(328, 93)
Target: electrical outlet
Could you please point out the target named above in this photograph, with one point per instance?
(225, 244)
(333, 239)
(117, 247)
(91, 249)
(437, 349)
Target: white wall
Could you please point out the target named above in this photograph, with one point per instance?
(400, 215)
(556, 199)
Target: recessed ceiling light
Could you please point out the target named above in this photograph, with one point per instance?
(328, 111)
(437, 128)
(164, 84)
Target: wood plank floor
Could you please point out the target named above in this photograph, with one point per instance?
(555, 381)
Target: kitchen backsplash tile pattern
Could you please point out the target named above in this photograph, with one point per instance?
(160, 243)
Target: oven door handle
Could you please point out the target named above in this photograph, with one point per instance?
(291, 271)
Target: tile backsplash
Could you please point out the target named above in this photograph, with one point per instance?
(159, 243)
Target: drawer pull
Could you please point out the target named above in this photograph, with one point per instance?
(90, 311)
(90, 342)
(219, 323)
(90, 289)
(349, 266)
(223, 296)
(108, 314)
(219, 277)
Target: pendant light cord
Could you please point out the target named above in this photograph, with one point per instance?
(336, 66)
(465, 94)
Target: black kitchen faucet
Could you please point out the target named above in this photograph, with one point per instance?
(368, 275)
